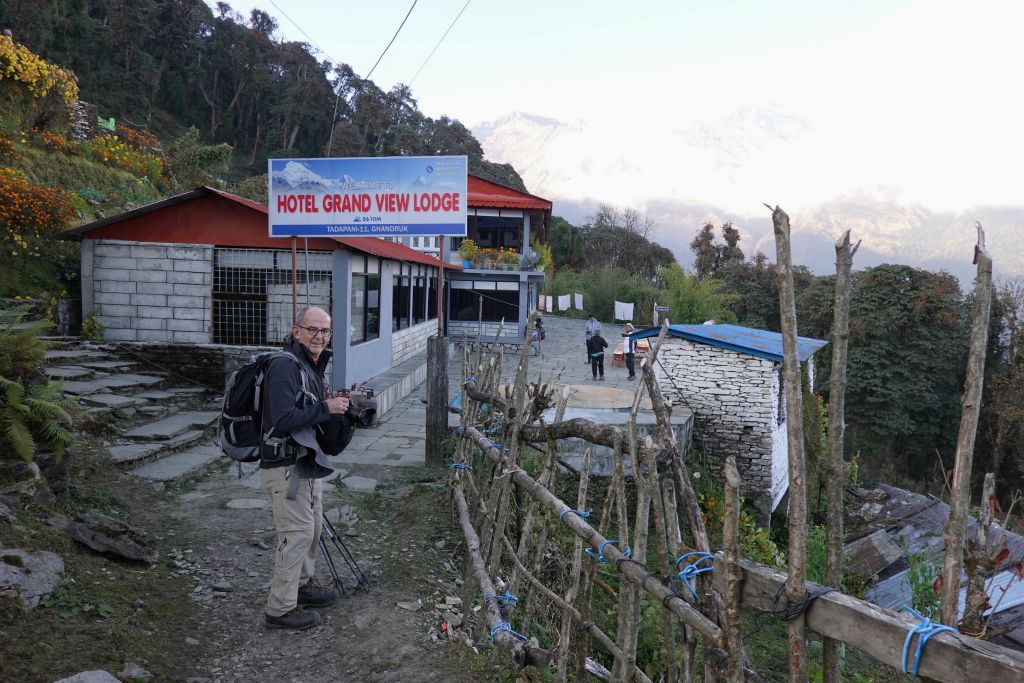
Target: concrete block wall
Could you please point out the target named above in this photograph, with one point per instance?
(412, 340)
(735, 399)
(151, 292)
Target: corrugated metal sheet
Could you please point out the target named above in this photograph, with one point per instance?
(392, 250)
(869, 555)
(915, 523)
(758, 343)
(487, 195)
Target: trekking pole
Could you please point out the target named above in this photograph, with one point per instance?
(362, 582)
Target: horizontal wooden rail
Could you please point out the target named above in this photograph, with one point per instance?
(947, 657)
(630, 569)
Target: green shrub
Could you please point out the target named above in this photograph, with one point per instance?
(31, 408)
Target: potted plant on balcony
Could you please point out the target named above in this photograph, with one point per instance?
(508, 258)
(486, 258)
(468, 250)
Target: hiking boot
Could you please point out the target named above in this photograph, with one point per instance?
(314, 597)
(296, 619)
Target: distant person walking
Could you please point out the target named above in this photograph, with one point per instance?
(595, 348)
(630, 350)
(593, 327)
(537, 336)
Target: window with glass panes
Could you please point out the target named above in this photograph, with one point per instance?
(400, 297)
(500, 300)
(364, 321)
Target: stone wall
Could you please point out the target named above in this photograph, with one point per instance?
(456, 328)
(151, 292)
(735, 399)
(412, 340)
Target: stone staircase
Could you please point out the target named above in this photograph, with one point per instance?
(166, 425)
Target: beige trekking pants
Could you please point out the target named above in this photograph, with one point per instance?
(298, 523)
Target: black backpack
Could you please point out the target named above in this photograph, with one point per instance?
(240, 424)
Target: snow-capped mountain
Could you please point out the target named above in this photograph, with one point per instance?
(701, 170)
(296, 176)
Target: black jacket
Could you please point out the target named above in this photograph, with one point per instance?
(596, 345)
(286, 408)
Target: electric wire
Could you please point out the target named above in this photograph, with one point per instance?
(450, 27)
(362, 82)
(302, 31)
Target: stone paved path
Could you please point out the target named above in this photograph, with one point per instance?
(399, 438)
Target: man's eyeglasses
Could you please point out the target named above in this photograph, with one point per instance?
(313, 331)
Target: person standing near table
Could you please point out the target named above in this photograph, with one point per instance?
(630, 350)
(596, 346)
(593, 327)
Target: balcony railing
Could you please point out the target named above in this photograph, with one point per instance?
(488, 263)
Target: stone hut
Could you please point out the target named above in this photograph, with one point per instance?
(730, 377)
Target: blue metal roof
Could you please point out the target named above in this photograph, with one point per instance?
(759, 343)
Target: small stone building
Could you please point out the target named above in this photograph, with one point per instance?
(730, 377)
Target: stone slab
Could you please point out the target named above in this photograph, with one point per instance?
(68, 372)
(128, 379)
(155, 395)
(76, 354)
(128, 453)
(362, 484)
(120, 381)
(187, 391)
(180, 465)
(248, 503)
(172, 426)
(108, 365)
(105, 400)
(131, 452)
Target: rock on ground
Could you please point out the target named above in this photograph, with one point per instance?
(34, 575)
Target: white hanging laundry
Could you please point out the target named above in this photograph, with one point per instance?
(623, 311)
(540, 302)
(548, 306)
(563, 302)
(579, 301)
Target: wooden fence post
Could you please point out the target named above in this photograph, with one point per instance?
(836, 467)
(795, 593)
(437, 399)
(960, 497)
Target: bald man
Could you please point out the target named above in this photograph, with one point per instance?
(297, 401)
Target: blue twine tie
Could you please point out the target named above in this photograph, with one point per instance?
(491, 430)
(925, 629)
(471, 378)
(460, 431)
(582, 513)
(507, 627)
(506, 598)
(599, 556)
(460, 466)
(690, 571)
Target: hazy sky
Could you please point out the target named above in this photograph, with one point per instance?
(733, 103)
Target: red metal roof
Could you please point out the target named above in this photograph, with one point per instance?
(391, 250)
(368, 245)
(485, 194)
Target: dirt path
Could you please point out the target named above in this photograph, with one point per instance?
(403, 540)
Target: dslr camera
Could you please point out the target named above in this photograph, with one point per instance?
(361, 410)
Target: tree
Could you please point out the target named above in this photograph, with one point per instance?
(1002, 423)
(908, 343)
(619, 239)
(191, 164)
(730, 253)
(566, 244)
(693, 300)
(705, 252)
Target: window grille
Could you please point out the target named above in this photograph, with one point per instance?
(252, 293)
